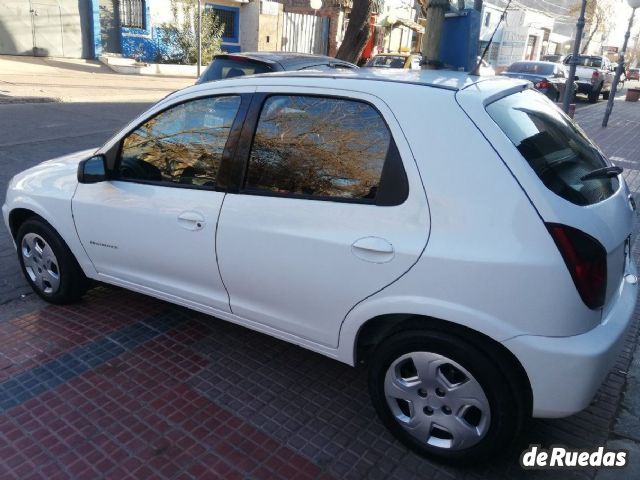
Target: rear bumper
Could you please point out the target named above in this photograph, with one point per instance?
(584, 87)
(566, 372)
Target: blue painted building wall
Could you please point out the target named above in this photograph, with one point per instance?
(230, 44)
(140, 43)
(96, 37)
(144, 44)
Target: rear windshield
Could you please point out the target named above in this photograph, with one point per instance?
(557, 149)
(387, 61)
(228, 67)
(587, 61)
(531, 67)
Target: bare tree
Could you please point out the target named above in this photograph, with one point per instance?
(358, 31)
(598, 17)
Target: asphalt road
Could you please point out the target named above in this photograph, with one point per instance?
(33, 132)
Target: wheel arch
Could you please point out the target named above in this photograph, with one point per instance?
(18, 216)
(372, 332)
(23, 211)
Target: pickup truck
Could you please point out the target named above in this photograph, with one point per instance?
(594, 75)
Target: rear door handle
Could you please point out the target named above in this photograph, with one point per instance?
(373, 249)
(191, 220)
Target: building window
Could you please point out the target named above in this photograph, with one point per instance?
(487, 19)
(228, 19)
(132, 13)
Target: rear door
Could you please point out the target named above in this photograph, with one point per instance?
(330, 210)
(550, 156)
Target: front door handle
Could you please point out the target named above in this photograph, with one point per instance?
(373, 249)
(191, 220)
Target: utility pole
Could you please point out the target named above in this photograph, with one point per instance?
(432, 33)
(568, 88)
(199, 35)
(614, 87)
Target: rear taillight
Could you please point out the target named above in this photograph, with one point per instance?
(595, 76)
(586, 260)
(542, 84)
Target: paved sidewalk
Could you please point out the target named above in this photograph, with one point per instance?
(45, 79)
(621, 142)
(125, 386)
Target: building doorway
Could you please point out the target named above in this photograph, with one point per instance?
(110, 26)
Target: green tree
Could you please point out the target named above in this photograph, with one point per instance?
(178, 40)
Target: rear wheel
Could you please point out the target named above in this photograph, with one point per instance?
(594, 95)
(442, 397)
(605, 95)
(48, 264)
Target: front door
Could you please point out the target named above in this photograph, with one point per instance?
(328, 213)
(154, 224)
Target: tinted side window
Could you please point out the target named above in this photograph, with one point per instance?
(324, 147)
(181, 145)
(557, 150)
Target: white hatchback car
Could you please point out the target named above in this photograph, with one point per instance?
(461, 236)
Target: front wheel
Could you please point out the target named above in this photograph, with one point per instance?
(48, 264)
(605, 95)
(443, 397)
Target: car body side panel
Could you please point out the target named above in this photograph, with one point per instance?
(290, 263)
(46, 190)
(609, 220)
(481, 222)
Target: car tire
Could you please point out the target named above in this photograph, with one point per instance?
(453, 389)
(605, 95)
(594, 95)
(47, 263)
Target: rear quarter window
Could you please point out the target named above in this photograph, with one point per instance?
(556, 149)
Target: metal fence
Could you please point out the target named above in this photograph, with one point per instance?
(305, 33)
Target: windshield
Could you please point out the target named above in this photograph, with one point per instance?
(387, 61)
(230, 67)
(557, 149)
(531, 68)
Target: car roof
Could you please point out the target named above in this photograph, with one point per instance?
(349, 79)
(539, 62)
(396, 54)
(287, 60)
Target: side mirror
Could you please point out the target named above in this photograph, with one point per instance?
(576, 77)
(92, 170)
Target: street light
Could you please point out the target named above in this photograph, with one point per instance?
(633, 4)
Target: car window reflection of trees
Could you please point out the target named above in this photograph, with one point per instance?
(184, 144)
(318, 146)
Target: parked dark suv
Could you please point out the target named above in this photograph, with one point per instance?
(251, 63)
